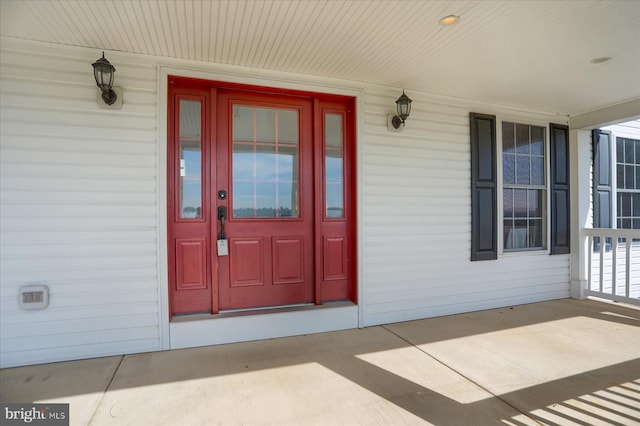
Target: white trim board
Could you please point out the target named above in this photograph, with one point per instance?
(169, 329)
(244, 328)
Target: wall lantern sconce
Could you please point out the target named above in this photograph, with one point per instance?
(403, 109)
(109, 97)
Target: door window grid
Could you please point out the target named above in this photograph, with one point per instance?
(265, 162)
(524, 187)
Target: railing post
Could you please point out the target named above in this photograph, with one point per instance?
(603, 243)
(614, 266)
(627, 284)
(589, 262)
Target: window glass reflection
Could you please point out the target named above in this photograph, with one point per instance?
(334, 166)
(190, 160)
(265, 162)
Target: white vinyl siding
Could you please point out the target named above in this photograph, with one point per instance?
(83, 207)
(79, 209)
(417, 219)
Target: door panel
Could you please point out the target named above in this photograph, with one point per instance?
(335, 258)
(246, 262)
(191, 264)
(288, 260)
(267, 143)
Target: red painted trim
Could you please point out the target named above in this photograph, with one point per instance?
(250, 88)
(213, 270)
(318, 188)
(351, 199)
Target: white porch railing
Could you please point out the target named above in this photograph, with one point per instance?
(613, 259)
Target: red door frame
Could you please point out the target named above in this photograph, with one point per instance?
(324, 229)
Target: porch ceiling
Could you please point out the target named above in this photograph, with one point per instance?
(535, 55)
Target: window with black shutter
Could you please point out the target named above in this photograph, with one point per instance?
(529, 201)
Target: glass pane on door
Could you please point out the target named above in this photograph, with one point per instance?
(265, 162)
(333, 166)
(190, 159)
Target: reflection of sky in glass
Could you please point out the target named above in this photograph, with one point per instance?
(334, 203)
(265, 166)
(334, 179)
(190, 159)
(273, 185)
(191, 183)
(264, 162)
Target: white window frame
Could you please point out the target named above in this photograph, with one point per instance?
(500, 195)
(616, 132)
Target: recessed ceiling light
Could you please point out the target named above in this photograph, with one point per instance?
(449, 20)
(600, 60)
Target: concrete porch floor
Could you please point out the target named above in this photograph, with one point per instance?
(561, 362)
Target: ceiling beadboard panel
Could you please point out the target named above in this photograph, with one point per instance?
(530, 54)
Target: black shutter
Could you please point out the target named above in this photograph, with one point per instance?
(560, 220)
(484, 215)
(602, 178)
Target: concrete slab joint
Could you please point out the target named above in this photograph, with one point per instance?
(558, 362)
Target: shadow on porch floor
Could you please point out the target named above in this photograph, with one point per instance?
(557, 363)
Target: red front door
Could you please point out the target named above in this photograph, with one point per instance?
(268, 174)
(264, 161)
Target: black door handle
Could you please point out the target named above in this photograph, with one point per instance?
(222, 216)
(222, 212)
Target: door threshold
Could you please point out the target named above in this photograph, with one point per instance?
(262, 309)
(262, 324)
(230, 313)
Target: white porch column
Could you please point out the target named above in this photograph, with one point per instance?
(581, 216)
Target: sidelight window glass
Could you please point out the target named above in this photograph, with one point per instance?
(333, 166)
(190, 159)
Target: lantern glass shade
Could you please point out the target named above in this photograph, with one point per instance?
(103, 73)
(403, 106)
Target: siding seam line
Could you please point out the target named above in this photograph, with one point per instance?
(462, 375)
(106, 389)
